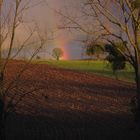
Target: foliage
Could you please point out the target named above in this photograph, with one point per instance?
(94, 49)
(136, 3)
(115, 57)
(57, 53)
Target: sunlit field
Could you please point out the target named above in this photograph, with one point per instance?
(96, 67)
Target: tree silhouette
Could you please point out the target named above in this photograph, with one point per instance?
(94, 49)
(57, 53)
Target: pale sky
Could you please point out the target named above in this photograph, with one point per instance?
(44, 15)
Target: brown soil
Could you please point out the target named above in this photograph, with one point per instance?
(68, 105)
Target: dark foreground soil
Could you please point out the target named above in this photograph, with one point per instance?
(68, 105)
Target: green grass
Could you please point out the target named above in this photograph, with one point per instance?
(97, 67)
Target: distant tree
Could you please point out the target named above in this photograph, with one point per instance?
(94, 49)
(57, 53)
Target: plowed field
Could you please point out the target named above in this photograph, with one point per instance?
(58, 104)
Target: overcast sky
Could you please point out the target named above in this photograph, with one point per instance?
(44, 15)
(48, 19)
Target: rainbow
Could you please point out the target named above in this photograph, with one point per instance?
(60, 43)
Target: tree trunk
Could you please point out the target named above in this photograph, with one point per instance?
(2, 121)
(137, 71)
(57, 58)
(2, 111)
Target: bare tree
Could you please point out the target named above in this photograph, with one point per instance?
(111, 20)
(10, 21)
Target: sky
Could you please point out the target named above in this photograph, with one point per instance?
(45, 17)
